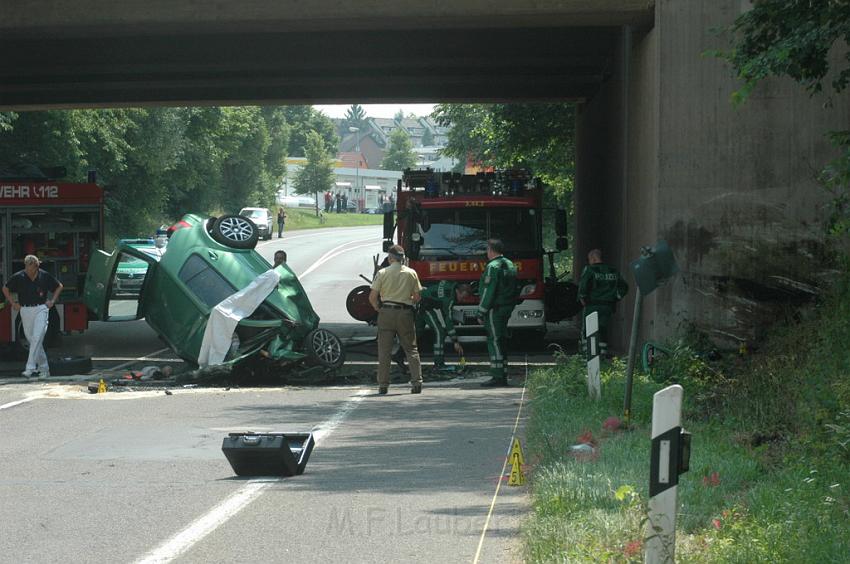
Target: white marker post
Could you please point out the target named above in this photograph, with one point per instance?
(670, 455)
(591, 331)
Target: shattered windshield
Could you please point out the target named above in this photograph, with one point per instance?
(454, 233)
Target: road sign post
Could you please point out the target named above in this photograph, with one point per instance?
(655, 266)
(670, 456)
(591, 332)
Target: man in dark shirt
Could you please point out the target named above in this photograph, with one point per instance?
(599, 290)
(37, 291)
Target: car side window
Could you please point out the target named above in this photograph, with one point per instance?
(208, 285)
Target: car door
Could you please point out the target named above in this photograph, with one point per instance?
(102, 296)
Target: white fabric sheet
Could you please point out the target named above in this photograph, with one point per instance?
(228, 313)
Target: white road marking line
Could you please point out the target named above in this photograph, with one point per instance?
(322, 431)
(315, 233)
(221, 513)
(14, 403)
(134, 359)
(502, 474)
(336, 252)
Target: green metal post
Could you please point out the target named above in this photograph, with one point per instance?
(630, 366)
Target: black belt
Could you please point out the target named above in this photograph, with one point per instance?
(396, 306)
(30, 305)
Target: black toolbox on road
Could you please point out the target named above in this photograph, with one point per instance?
(268, 454)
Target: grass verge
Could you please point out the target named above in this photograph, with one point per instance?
(769, 477)
(306, 219)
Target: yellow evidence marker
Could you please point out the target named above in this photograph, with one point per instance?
(517, 475)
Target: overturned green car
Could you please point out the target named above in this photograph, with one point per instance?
(210, 265)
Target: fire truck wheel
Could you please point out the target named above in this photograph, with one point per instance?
(235, 231)
(53, 338)
(324, 348)
(70, 365)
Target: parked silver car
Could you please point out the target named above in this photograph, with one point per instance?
(262, 217)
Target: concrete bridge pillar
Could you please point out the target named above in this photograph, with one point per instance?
(662, 153)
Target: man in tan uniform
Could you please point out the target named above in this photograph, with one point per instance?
(397, 287)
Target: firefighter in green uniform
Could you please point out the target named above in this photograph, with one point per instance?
(435, 311)
(498, 296)
(599, 290)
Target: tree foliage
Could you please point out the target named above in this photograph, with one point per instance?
(798, 39)
(540, 137)
(791, 38)
(355, 116)
(399, 155)
(427, 138)
(305, 119)
(158, 164)
(317, 174)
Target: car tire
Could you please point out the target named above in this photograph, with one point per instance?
(70, 365)
(235, 231)
(324, 348)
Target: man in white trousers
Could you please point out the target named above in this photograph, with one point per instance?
(36, 291)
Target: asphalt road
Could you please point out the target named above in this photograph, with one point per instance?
(140, 477)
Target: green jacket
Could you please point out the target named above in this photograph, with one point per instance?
(497, 286)
(601, 284)
(440, 296)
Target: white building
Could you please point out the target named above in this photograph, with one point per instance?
(366, 187)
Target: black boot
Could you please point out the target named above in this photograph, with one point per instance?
(495, 382)
(398, 358)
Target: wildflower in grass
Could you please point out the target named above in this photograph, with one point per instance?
(632, 549)
(711, 481)
(586, 438)
(612, 424)
(717, 524)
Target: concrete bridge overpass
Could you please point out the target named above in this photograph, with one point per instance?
(660, 150)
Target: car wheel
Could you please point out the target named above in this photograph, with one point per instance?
(235, 231)
(325, 348)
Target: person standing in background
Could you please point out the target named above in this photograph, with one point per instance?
(37, 292)
(394, 292)
(435, 311)
(599, 289)
(497, 289)
(281, 221)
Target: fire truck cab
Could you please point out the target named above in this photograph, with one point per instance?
(58, 222)
(445, 219)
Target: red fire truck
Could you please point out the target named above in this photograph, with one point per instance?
(58, 222)
(444, 221)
